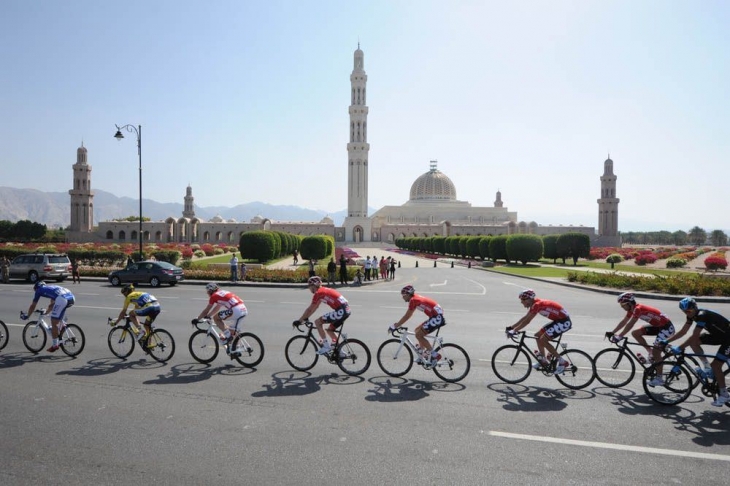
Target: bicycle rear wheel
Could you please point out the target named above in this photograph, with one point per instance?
(511, 364)
(301, 353)
(72, 340)
(677, 382)
(121, 342)
(394, 358)
(454, 363)
(247, 349)
(353, 357)
(3, 335)
(203, 347)
(580, 370)
(614, 368)
(161, 345)
(34, 337)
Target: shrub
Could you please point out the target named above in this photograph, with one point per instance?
(258, 245)
(645, 258)
(715, 263)
(524, 248)
(199, 253)
(614, 258)
(676, 262)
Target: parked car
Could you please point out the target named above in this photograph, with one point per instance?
(40, 266)
(152, 272)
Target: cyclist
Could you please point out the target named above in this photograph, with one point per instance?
(659, 325)
(61, 299)
(435, 320)
(716, 331)
(223, 305)
(339, 314)
(145, 305)
(559, 323)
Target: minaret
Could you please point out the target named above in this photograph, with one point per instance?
(357, 225)
(188, 207)
(82, 198)
(498, 202)
(608, 203)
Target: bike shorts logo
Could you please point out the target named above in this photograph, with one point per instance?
(558, 328)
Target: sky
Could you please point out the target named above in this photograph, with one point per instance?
(248, 101)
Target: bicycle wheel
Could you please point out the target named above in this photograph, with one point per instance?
(72, 340)
(511, 364)
(395, 358)
(203, 347)
(121, 342)
(34, 337)
(301, 353)
(677, 382)
(580, 371)
(353, 357)
(614, 368)
(3, 335)
(160, 345)
(247, 349)
(454, 363)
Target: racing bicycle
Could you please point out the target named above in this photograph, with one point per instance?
(396, 356)
(3, 335)
(205, 342)
(512, 363)
(159, 344)
(351, 355)
(36, 333)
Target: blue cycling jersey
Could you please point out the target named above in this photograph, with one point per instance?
(53, 292)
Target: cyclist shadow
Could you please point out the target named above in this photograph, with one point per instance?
(11, 360)
(520, 398)
(105, 366)
(196, 372)
(388, 389)
(298, 383)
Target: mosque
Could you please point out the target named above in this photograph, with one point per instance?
(432, 210)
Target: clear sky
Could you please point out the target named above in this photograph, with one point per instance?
(248, 101)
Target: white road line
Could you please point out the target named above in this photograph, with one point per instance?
(606, 445)
(438, 284)
(484, 289)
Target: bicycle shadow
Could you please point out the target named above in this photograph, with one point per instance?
(521, 398)
(105, 366)
(291, 384)
(185, 373)
(11, 360)
(389, 389)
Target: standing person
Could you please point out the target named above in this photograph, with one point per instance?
(233, 262)
(339, 314)
(713, 329)
(5, 267)
(75, 271)
(145, 305)
(343, 269)
(296, 257)
(383, 268)
(374, 268)
(435, 320)
(61, 299)
(311, 267)
(659, 325)
(223, 305)
(331, 272)
(392, 268)
(559, 323)
(243, 271)
(368, 266)
(130, 262)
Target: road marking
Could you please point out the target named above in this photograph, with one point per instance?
(438, 284)
(606, 445)
(484, 289)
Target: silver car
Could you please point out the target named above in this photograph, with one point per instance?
(41, 266)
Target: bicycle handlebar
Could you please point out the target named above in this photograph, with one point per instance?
(298, 324)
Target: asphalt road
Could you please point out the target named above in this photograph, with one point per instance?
(97, 419)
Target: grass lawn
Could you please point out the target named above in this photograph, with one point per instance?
(547, 269)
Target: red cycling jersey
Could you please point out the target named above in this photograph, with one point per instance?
(225, 299)
(331, 297)
(551, 310)
(653, 316)
(428, 306)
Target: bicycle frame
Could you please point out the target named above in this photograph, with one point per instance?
(547, 371)
(709, 385)
(341, 336)
(212, 330)
(406, 340)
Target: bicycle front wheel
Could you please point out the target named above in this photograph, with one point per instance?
(395, 358)
(511, 364)
(580, 370)
(301, 353)
(614, 368)
(34, 337)
(3, 335)
(72, 340)
(454, 363)
(160, 345)
(121, 342)
(203, 347)
(353, 357)
(667, 382)
(247, 349)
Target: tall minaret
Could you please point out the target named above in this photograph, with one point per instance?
(357, 224)
(82, 198)
(188, 207)
(608, 203)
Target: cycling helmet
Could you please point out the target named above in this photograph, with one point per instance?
(687, 303)
(626, 298)
(408, 289)
(38, 284)
(211, 287)
(527, 294)
(127, 289)
(314, 281)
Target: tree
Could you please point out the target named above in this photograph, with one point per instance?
(258, 245)
(314, 247)
(524, 248)
(679, 238)
(718, 238)
(498, 248)
(550, 247)
(697, 236)
(573, 245)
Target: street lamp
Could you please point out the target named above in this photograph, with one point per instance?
(137, 131)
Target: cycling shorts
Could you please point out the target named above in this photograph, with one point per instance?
(661, 332)
(723, 354)
(60, 305)
(149, 311)
(337, 317)
(555, 328)
(237, 312)
(434, 323)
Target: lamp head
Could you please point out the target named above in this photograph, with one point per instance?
(118, 135)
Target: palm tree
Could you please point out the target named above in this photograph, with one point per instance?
(718, 238)
(697, 236)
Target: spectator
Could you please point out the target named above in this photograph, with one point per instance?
(311, 268)
(374, 268)
(243, 271)
(331, 272)
(368, 265)
(392, 268)
(296, 257)
(343, 269)
(234, 267)
(75, 271)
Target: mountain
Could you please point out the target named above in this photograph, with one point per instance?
(53, 209)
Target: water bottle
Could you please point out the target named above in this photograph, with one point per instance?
(641, 358)
(536, 353)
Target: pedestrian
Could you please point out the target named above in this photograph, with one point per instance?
(383, 268)
(343, 269)
(5, 267)
(234, 267)
(311, 268)
(374, 268)
(296, 257)
(75, 271)
(331, 272)
(368, 265)
(243, 271)
(130, 262)
(392, 268)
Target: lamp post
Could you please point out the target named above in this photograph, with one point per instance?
(137, 131)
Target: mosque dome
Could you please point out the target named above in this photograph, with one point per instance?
(434, 185)
(216, 219)
(327, 220)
